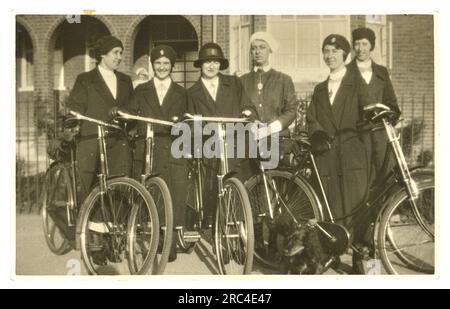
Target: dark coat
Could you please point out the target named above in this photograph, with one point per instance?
(91, 97)
(277, 100)
(173, 171)
(344, 169)
(231, 98)
(379, 90)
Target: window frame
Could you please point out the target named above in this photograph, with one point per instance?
(313, 74)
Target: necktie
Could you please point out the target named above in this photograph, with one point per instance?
(212, 90)
(161, 92)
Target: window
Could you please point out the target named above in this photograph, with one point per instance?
(239, 43)
(24, 60)
(300, 40)
(378, 24)
(184, 73)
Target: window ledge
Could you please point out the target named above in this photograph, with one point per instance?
(25, 89)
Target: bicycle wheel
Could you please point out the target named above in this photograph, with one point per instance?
(57, 197)
(234, 238)
(404, 245)
(160, 193)
(289, 196)
(106, 233)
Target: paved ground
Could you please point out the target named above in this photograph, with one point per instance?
(34, 258)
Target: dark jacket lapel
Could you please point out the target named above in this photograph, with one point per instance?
(204, 100)
(169, 100)
(324, 101)
(223, 93)
(341, 96)
(122, 89)
(151, 98)
(102, 88)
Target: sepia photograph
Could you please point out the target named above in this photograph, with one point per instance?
(255, 144)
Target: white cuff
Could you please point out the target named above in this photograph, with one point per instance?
(275, 126)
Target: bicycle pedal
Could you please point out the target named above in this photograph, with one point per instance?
(191, 236)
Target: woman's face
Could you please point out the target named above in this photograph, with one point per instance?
(333, 57)
(362, 49)
(210, 69)
(112, 59)
(260, 51)
(162, 67)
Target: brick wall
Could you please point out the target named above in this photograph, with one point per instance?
(413, 69)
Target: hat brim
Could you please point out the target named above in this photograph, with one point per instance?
(223, 62)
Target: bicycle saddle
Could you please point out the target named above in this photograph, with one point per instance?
(378, 111)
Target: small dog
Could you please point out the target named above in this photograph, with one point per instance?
(305, 253)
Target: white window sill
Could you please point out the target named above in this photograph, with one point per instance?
(26, 89)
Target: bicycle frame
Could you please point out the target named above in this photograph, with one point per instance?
(103, 173)
(74, 200)
(224, 169)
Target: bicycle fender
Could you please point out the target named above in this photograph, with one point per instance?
(229, 175)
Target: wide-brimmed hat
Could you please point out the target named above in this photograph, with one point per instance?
(209, 52)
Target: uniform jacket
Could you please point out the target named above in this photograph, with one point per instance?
(231, 98)
(344, 169)
(173, 171)
(91, 97)
(277, 100)
(380, 89)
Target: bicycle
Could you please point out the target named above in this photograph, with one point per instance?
(404, 230)
(233, 225)
(158, 190)
(102, 222)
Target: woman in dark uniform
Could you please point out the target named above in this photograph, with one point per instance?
(341, 153)
(217, 95)
(161, 98)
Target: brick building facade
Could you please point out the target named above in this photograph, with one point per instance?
(52, 50)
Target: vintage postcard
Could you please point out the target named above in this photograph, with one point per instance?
(267, 145)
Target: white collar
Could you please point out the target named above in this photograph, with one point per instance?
(364, 64)
(337, 76)
(265, 68)
(106, 72)
(214, 80)
(166, 82)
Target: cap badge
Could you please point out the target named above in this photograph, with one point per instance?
(333, 40)
(161, 52)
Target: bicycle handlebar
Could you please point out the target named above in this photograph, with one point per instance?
(144, 119)
(189, 117)
(96, 121)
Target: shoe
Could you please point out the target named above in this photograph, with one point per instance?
(99, 258)
(173, 248)
(357, 263)
(97, 249)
